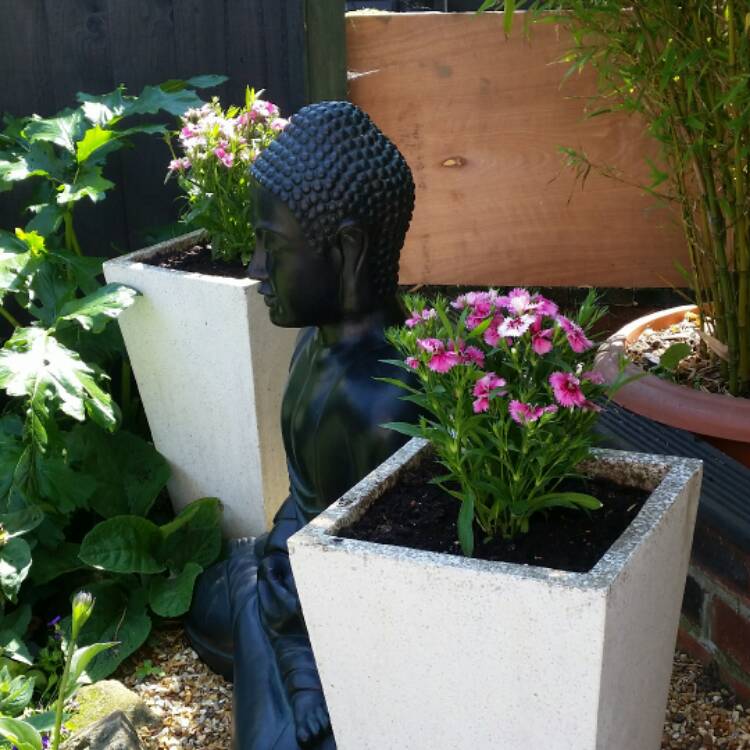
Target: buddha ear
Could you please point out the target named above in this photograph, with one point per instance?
(351, 247)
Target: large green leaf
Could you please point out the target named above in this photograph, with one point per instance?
(124, 544)
(65, 489)
(194, 536)
(96, 310)
(47, 218)
(129, 472)
(15, 693)
(85, 269)
(101, 109)
(20, 734)
(117, 617)
(156, 98)
(89, 183)
(171, 597)
(50, 564)
(20, 522)
(63, 130)
(13, 627)
(33, 364)
(15, 562)
(94, 139)
(49, 289)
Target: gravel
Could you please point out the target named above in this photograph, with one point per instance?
(195, 705)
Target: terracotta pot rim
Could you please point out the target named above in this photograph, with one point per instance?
(713, 414)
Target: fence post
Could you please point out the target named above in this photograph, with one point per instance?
(325, 36)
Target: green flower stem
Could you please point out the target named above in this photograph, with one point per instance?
(71, 241)
(9, 317)
(61, 696)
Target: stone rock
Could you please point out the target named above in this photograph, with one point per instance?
(113, 732)
(95, 702)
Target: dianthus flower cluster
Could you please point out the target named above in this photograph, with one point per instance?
(216, 148)
(509, 398)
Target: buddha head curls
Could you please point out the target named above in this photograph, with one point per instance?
(332, 163)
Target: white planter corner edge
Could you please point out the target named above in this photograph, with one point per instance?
(211, 370)
(425, 650)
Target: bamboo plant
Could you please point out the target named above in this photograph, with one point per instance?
(684, 66)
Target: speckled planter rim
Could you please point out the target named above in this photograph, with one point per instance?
(665, 476)
(139, 257)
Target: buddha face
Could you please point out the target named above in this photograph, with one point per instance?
(300, 285)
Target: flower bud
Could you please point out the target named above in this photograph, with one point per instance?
(83, 606)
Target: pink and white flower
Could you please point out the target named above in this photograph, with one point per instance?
(443, 359)
(515, 327)
(412, 362)
(479, 313)
(278, 124)
(544, 306)
(566, 388)
(491, 336)
(577, 339)
(485, 388)
(517, 302)
(179, 165)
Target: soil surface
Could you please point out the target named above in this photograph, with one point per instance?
(420, 515)
(700, 370)
(197, 259)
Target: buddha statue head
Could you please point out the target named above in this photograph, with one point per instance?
(333, 204)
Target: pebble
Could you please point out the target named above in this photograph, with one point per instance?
(196, 705)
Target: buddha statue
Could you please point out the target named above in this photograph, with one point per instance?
(334, 202)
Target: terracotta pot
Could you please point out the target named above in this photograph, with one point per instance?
(722, 420)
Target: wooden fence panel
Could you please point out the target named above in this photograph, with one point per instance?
(480, 119)
(51, 49)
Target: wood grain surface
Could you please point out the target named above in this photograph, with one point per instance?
(480, 119)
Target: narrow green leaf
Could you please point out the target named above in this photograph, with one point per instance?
(412, 430)
(466, 525)
(79, 663)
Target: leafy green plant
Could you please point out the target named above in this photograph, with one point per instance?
(148, 669)
(218, 146)
(508, 400)
(67, 467)
(684, 68)
(16, 694)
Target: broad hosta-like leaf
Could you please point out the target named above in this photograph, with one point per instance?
(194, 536)
(124, 544)
(155, 98)
(33, 364)
(15, 562)
(129, 472)
(20, 734)
(171, 597)
(63, 130)
(94, 311)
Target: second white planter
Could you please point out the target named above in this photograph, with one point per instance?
(211, 370)
(422, 650)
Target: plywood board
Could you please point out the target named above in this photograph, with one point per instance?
(480, 119)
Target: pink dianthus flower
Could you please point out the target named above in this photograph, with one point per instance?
(473, 355)
(515, 327)
(576, 337)
(567, 389)
(541, 338)
(486, 387)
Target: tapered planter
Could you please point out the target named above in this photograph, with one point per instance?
(211, 370)
(426, 650)
(722, 420)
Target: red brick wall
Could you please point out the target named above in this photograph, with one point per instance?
(715, 625)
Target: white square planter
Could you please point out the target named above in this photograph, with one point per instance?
(421, 650)
(211, 370)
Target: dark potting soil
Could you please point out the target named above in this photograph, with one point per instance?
(197, 259)
(417, 514)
